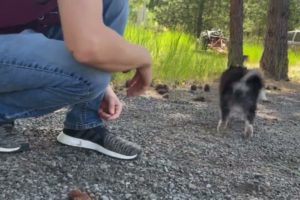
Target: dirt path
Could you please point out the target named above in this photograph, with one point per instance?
(183, 156)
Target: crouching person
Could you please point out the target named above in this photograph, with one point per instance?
(62, 53)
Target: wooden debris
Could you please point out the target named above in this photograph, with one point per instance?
(162, 89)
(78, 195)
(206, 88)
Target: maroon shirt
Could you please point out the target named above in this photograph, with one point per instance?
(16, 15)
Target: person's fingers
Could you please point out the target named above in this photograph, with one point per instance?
(136, 91)
(118, 111)
(116, 115)
(142, 82)
(103, 111)
(133, 81)
(111, 107)
(131, 92)
(146, 75)
(104, 115)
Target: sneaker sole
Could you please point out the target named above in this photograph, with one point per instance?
(75, 142)
(9, 150)
(23, 147)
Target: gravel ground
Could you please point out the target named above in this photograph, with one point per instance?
(183, 156)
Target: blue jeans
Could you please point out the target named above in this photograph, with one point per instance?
(39, 75)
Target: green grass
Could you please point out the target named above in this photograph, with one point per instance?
(254, 51)
(176, 58)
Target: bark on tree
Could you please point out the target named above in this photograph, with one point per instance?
(274, 61)
(235, 55)
(199, 21)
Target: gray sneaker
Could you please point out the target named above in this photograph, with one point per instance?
(101, 140)
(10, 140)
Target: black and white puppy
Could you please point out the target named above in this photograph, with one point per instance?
(240, 90)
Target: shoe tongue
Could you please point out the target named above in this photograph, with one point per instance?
(100, 129)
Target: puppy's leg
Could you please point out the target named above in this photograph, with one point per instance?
(224, 117)
(249, 122)
(262, 95)
(248, 129)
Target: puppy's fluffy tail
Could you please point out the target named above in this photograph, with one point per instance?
(251, 83)
(254, 80)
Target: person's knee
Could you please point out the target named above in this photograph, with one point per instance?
(121, 5)
(116, 14)
(116, 6)
(97, 84)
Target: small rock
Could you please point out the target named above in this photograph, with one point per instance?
(206, 88)
(208, 186)
(131, 165)
(171, 186)
(141, 179)
(258, 176)
(69, 175)
(104, 166)
(128, 196)
(153, 196)
(103, 197)
(192, 186)
(166, 169)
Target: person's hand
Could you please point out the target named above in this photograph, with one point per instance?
(140, 82)
(111, 107)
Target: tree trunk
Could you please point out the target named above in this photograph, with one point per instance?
(235, 56)
(274, 61)
(199, 22)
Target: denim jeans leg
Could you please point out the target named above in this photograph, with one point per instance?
(116, 14)
(39, 75)
(85, 115)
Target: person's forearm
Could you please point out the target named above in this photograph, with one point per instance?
(109, 91)
(93, 43)
(113, 54)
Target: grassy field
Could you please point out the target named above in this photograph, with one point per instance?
(177, 58)
(254, 51)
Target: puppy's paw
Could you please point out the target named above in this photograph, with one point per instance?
(222, 125)
(263, 97)
(248, 130)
